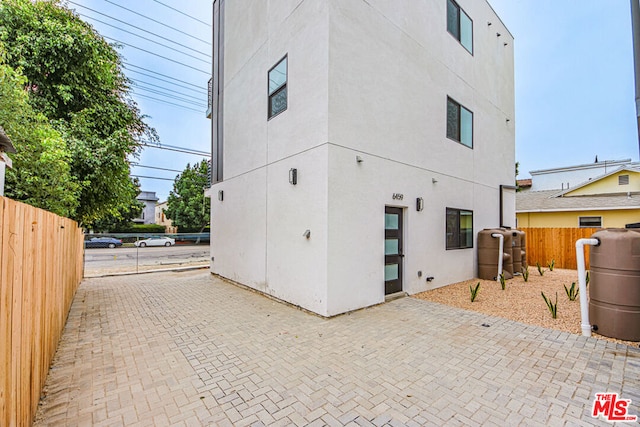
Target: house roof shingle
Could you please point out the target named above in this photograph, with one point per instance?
(550, 200)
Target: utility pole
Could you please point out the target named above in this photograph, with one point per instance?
(635, 27)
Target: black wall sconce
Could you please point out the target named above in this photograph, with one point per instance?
(220, 195)
(293, 176)
(419, 204)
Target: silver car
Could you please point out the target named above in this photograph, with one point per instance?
(155, 241)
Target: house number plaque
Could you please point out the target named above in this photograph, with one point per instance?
(398, 196)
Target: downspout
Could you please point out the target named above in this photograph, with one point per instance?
(582, 284)
(500, 253)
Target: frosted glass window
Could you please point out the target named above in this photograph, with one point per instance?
(391, 247)
(391, 222)
(390, 272)
(460, 25)
(459, 228)
(278, 88)
(459, 123)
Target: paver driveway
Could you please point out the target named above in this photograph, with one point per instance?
(189, 349)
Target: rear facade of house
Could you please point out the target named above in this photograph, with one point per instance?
(358, 146)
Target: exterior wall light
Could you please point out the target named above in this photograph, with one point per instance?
(220, 195)
(293, 176)
(419, 204)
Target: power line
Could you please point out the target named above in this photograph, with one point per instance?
(172, 97)
(137, 82)
(201, 92)
(158, 22)
(148, 39)
(153, 177)
(155, 54)
(176, 148)
(167, 102)
(163, 75)
(137, 165)
(138, 28)
(181, 12)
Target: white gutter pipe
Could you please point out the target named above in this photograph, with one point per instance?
(582, 284)
(500, 253)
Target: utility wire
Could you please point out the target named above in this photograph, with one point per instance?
(153, 177)
(201, 92)
(163, 75)
(174, 147)
(172, 97)
(168, 103)
(148, 39)
(139, 28)
(182, 13)
(137, 165)
(142, 82)
(155, 54)
(158, 22)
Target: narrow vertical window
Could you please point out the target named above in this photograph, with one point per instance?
(278, 88)
(459, 226)
(460, 25)
(459, 123)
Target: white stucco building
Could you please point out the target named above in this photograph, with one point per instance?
(359, 146)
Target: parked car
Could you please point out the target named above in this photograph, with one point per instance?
(156, 241)
(102, 242)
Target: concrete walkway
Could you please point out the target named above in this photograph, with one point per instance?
(189, 349)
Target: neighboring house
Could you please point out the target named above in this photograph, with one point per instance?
(161, 219)
(149, 211)
(5, 162)
(610, 200)
(359, 146)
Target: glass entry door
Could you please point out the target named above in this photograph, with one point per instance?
(392, 250)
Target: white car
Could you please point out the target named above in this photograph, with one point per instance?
(155, 241)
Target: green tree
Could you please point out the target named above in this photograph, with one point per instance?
(75, 78)
(186, 206)
(41, 174)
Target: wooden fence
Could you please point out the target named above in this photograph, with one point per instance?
(41, 266)
(546, 244)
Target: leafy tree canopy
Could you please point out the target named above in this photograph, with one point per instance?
(41, 174)
(186, 205)
(75, 78)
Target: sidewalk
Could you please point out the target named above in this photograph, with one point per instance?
(189, 349)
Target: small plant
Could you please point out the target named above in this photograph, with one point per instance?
(474, 291)
(540, 269)
(502, 281)
(525, 274)
(586, 278)
(572, 292)
(552, 264)
(553, 306)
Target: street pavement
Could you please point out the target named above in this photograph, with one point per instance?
(189, 349)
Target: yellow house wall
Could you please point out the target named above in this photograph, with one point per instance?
(610, 219)
(609, 185)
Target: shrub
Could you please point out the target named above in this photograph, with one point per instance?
(552, 306)
(474, 291)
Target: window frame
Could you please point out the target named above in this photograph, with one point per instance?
(460, 107)
(458, 36)
(279, 89)
(459, 233)
(580, 219)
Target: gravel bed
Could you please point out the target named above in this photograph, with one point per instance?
(520, 301)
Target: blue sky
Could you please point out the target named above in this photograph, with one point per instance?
(176, 126)
(573, 72)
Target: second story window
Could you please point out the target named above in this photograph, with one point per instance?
(460, 25)
(459, 123)
(278, 88)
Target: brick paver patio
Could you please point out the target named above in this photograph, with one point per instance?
(189, 349)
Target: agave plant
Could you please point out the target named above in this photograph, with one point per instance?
(572, 292)
(553, 306)
(474, 291)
